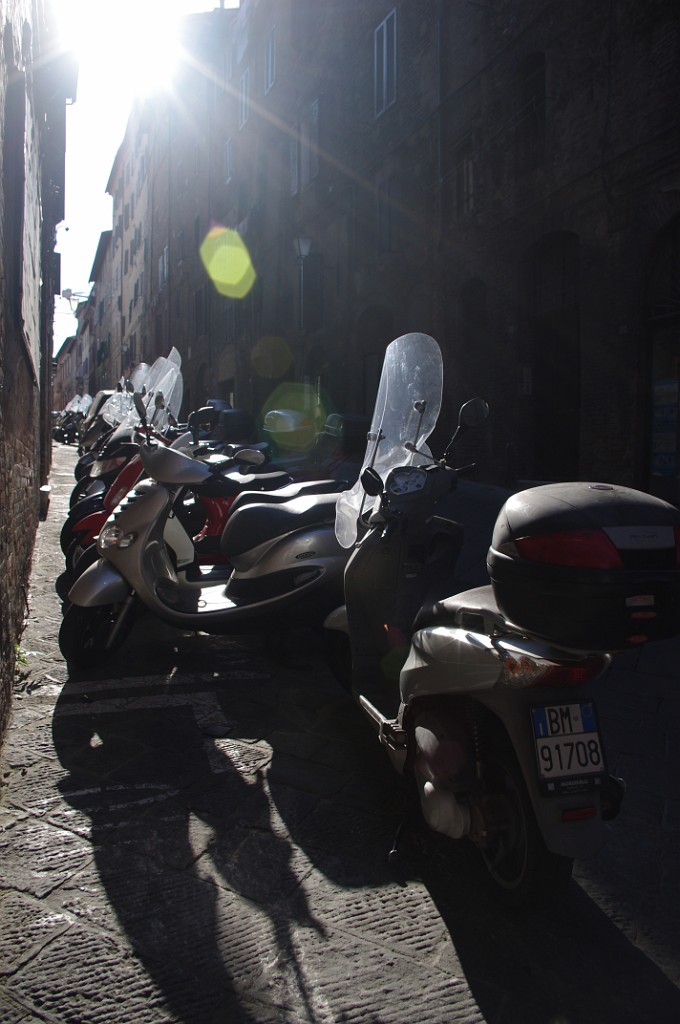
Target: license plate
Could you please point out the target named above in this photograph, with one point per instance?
(568, 747)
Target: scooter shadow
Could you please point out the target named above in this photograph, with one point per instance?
(200, 847)
(186, 862)
(569, 963)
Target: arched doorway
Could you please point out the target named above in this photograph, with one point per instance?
(663, 330)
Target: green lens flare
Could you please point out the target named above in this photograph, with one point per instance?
(226, 258)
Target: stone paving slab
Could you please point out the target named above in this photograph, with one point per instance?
(198, 834)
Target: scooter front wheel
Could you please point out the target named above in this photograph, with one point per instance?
(523, 871)
(85, 636)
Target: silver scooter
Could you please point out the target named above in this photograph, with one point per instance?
(279, 561)
(482, 698)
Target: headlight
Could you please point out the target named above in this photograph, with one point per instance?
(108, 538)
(103, 466)
(113, 537)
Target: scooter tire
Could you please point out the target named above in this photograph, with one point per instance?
(80, 491)
(66, 536)
(76, 552)
(62, 585)
(84, 634)
(85, 559)
(523, 871)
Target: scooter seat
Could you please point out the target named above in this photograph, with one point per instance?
(227, 485)
(294, 490)
(475, 610)
(256, 523)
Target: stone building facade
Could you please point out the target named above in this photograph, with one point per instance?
(503, 176)
(35, 82)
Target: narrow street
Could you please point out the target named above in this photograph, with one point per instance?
(199, 834)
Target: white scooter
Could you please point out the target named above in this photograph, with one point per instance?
(483, 698)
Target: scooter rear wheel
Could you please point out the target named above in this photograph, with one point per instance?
(523, 871)
(84, 634)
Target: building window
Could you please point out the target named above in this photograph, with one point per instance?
(531, 127)
(309, 145)
(385, 63)
(294, 167)
(228, 161)
(200, 311)
(270, 60)
(389, 215)
(465, 179)
(244, 98)
(163, 264)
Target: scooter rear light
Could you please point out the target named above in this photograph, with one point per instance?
(579, 813)
(584, 549)
(525, 671)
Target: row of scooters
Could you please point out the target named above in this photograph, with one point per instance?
(182, 485)
(482, 699)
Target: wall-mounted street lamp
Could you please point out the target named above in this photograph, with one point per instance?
(74, 297)
(302, 248)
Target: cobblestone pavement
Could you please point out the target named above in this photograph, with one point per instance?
(198, 833)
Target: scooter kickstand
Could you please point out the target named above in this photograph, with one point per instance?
(393, 855)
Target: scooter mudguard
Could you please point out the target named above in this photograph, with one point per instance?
(337, 620)
(100, 584)
(580, 837)
(87, 528)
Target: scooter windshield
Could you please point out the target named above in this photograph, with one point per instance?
(164, 375)
(405, 414)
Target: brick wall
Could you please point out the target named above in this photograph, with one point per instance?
(34, 82)
(19, 483)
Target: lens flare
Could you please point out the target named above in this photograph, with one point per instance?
(271, 356)
(227, 261)
(290, 415)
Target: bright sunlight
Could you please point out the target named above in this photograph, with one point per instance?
(123, 49)
(131, 49)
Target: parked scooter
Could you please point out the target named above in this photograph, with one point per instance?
(280, 560)
(65, 429)
(211, 431)
(483, 699)
(203, 514)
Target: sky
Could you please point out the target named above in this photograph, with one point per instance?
(121, 54)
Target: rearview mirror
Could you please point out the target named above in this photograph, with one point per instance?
(473, 413)
(250, 456)
(139, 406)
(371, 481)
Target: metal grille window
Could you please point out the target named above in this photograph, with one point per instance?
(532, 113)
(244, 99)
(309, 145)
(228, 161)
(270, 60)
(385, 63)
(465, 180)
